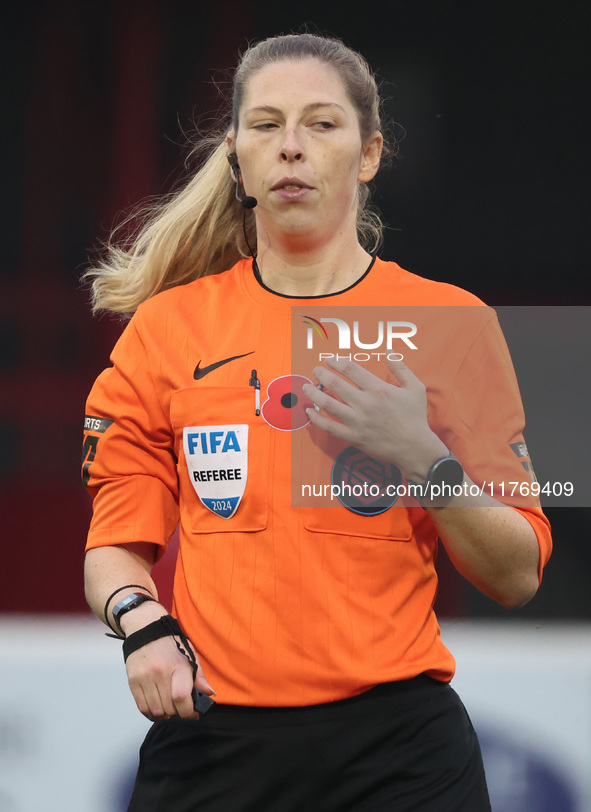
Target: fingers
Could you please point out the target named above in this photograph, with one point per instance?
(405, 377)
(202, 684)
(350, 385)
(329, 425)
(325, 400)
(181, 687)
(346, 373)
(161, 681)
(345, 390)
(341, 399)
(153, 703)
(340, 413)
(358, 375)
(363, 378)
(335, 395)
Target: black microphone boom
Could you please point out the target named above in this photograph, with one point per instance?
(246, 201)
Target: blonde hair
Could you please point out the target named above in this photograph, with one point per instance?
(198, 231)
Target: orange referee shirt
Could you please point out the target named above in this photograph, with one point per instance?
(289, 599)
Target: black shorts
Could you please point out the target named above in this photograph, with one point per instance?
(398, 747)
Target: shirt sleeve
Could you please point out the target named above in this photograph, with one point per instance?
(487, 423)
(129, 465)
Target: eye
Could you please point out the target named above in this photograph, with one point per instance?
(324, 125)
(265, 125)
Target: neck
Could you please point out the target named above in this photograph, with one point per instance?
(312, 271)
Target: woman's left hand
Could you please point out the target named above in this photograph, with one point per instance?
(387, 421)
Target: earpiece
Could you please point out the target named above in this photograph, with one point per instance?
(247, 201)
(233, 161)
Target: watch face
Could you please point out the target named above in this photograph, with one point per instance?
(128, 603)
(447, 471)
(124, 603)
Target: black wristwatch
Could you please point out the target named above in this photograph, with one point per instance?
(127, 604)
(444, 475)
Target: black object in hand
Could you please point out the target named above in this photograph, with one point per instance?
(201, 702)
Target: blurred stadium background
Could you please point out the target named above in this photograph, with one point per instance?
(491, 192)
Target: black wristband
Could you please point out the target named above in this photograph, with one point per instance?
(166, 626)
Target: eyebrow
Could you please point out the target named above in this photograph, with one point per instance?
(266, 108)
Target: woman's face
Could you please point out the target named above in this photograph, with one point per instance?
(300, 150)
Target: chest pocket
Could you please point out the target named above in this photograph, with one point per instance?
(329, 472)
(393, 525)
(223, 453)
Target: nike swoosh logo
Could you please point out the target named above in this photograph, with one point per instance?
(201, 372)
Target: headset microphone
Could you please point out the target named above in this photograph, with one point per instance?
(246, 201)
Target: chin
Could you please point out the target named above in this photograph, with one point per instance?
(297, 222)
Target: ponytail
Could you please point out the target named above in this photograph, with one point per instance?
(192, 233)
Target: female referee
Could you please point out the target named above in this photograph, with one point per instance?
(311, 626)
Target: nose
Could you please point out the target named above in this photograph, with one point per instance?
(291, 149)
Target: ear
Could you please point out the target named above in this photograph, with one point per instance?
(231, 144)
(370, 157)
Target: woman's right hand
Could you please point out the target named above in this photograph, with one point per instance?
(159, 676)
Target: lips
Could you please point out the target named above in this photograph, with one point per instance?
(293, 184)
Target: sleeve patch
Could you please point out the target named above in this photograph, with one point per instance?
(520, 449)
(98, 425)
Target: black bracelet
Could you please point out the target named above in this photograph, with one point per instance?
(112, 595)
(165, 626)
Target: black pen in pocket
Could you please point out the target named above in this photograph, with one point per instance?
(254, 381)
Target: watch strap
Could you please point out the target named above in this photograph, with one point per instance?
(110, 598)
(131, 601)
(422, 489)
